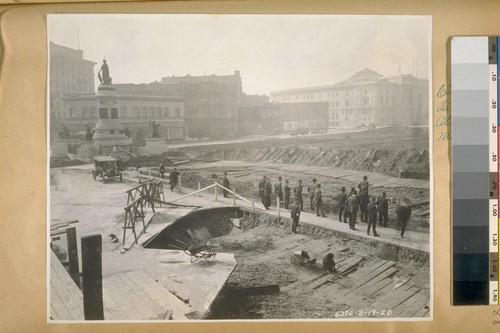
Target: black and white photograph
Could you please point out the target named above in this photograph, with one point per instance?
(239, 167)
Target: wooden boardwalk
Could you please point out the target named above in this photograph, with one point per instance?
(370, 289)
(66, 299)
(378, 291)
(126, 296)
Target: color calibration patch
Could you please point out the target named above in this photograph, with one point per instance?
(475, 173)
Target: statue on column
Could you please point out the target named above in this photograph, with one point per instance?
(155, 126)
(104, 78)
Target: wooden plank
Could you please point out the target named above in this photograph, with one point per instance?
(53, 313)
(162, 296)
(112, 310)
(423, 312)
(390, 288)
(58, 305)
(347, 265)
(121, 298)
(68, 292)
(168, 315)
(134, 299)
(366, 278)
(411, 306)
(393, 294)
(381, 283)
(150, 303)
(374, 280)
(92, 277)
(392, 304)
(358, 298)
(368, 268)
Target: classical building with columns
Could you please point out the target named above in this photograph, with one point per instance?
(367, 98)
(138, 105)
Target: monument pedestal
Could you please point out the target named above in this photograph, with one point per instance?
(86, 151)
(108, 129)
(155, 146)
(63, 147)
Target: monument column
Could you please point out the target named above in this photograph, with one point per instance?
(108, 128)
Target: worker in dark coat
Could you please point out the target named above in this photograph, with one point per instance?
(403, 212)
(352, 210)
(341, 201)
(383, 209)
(364, 184)
(298, 194)
(262, 186)
(295, 215)
(363, 203)
(372, 216)
(162, 169)
(174, 179)
(311, 189)
(268, 192)
(226, 184)
(319, 201)
(287, 192)
(329, 263)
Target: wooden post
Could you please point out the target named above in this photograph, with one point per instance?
(73, 268)
(216, 192)
(278, 206)
(234, 197)
(199, 188)
(92, 277)
(180, 183)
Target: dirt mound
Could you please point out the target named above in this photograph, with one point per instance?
(170, 157)
(408, 163)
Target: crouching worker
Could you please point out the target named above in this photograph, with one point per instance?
(329, 263)
(295, 215)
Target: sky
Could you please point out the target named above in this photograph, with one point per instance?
(272, 52)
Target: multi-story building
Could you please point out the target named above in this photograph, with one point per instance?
(211, 103)
(274, 118)
(69, 74)
(367, 98)
(138, 106)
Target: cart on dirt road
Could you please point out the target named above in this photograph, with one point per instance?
(107, 168)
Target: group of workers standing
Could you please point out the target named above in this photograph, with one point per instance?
(372, 209)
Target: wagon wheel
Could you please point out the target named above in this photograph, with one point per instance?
(210, 256)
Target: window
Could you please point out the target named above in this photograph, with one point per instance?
(137, 111)
(158, 112)
(103, 113)
(123, 112)
(177, 112)
(165, 112)
(144, 112)
(151, 113)
(114, 113)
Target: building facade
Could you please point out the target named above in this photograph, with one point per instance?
(275, 118)
(138, 107)
(69, 74)
(367, 98)
(210, 103)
